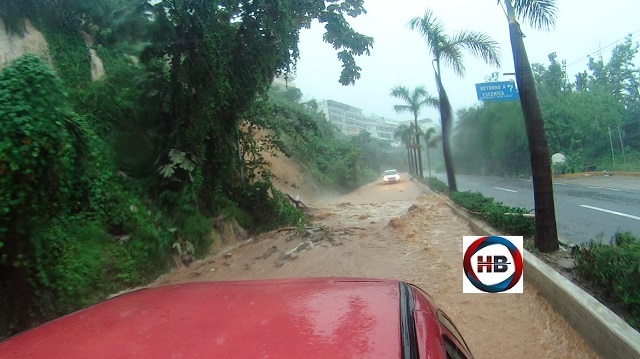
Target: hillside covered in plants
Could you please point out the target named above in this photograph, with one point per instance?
(105, 177)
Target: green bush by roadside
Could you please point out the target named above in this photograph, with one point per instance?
(614, 269)
(508, 220)
(436, 185)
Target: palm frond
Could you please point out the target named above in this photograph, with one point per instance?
(401, 92)
(431, 101)
(417, 95)
(452, 56)
(402, 108)
(403, 133)
(430, 27)
(479, 45)
(540, 14)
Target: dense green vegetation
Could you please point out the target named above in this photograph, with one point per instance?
(614, 269)
(103, 182)
(488, 210)
(331, 158)
(580, 116)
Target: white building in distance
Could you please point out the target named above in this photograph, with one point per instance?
(351, 121)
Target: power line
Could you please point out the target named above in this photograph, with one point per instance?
(603, 48)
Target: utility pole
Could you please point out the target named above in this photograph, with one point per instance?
(624, 158)
(611, 142)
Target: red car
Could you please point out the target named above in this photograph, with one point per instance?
(292, 318)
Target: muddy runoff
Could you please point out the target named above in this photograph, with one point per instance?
(396, 231)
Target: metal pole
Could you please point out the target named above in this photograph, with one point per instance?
(624, 158)
(611, 142)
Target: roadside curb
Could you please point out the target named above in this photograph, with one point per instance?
(606, 333)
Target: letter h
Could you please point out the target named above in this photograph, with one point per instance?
(482, 264)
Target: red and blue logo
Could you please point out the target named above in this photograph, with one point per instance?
(492, 264)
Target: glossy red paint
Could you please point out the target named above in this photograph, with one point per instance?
(433, 326)
(304, 318)
(427, 328)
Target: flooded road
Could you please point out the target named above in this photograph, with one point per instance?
(397, 231)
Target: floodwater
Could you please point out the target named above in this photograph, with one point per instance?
(397, 231)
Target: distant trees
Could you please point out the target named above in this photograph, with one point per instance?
(405, 134)
(577, 116)
(413, 102)
(448, 49)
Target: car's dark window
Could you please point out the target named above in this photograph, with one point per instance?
(453, 352)
(451, 328)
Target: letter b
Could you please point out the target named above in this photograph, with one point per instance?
(500, 264)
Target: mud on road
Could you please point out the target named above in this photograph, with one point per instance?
(397, 231)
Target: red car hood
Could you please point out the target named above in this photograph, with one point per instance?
(306, 318)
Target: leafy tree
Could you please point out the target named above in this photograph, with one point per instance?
(293, 94)
(413, 101)
(220, 58)
(553, 78)
(540, 14)
(494, 140)
(621, 78)
(576, 122)
(448, 49)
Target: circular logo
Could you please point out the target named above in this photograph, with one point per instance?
(482, 243)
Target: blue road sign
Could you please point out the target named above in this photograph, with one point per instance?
(497, 91)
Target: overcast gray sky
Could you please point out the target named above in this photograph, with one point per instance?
(399, 55)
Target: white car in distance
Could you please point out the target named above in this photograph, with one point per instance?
(391, 176)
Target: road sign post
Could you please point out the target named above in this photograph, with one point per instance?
(497, 91)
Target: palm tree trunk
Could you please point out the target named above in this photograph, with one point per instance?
(426, 147)
(445, 121)
(546, 239)
(414, 163)
(418, 151)
(409, 159)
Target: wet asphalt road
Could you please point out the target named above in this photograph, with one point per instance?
(586, 208)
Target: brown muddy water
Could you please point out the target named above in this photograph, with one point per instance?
(397, 231)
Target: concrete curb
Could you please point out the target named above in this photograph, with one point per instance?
(602, 329)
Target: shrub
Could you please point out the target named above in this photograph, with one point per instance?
(494, 213)
(436, 185)
(68, 259)
(472, 201)
(268, 207)
(615, 270)
(42, 144)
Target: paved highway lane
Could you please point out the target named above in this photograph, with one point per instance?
(583, 212)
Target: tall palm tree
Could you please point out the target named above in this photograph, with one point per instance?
(430, 140)
(404, 133)
(448, 49)
(413, 102)
(540, 14)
